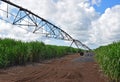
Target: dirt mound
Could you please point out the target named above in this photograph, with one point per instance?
(55, 70)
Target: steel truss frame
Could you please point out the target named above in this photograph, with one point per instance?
(35, 23)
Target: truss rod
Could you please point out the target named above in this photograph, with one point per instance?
(29, 14)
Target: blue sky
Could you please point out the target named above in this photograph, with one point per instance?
(106, 4)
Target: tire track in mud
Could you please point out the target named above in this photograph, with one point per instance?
(56, 70)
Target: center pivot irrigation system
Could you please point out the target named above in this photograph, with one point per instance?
(31, 22)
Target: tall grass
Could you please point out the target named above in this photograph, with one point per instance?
(19, 53)
(109, 59)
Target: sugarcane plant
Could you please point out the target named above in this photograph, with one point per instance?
(108, 58)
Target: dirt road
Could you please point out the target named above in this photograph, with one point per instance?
(55, 70)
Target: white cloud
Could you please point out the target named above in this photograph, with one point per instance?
(107, 28)
(9, 31)
(73, 16)
(95, 2)
(77, 17)
(3, 6)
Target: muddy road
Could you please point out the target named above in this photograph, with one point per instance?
(65, 69)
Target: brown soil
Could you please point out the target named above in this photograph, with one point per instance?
(55, 70)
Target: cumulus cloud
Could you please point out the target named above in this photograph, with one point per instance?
(3, 6)
(73, 16)
(77, 17)
(95, 2)
(69, 15)
(107, 28)
(9, 31)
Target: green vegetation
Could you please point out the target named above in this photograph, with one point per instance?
(109, 59)
(19, 53)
